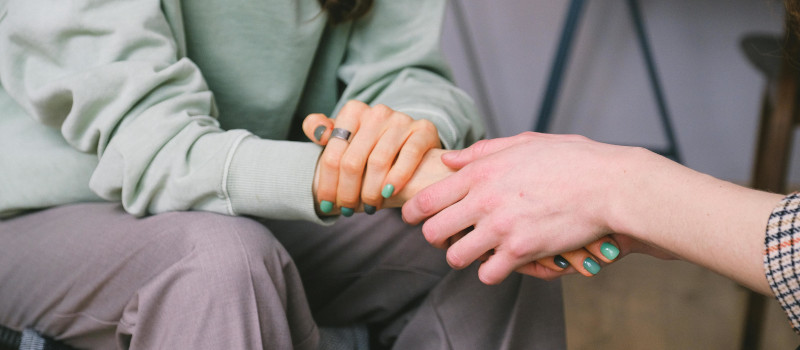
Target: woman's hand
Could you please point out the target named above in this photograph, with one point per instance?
(384, 149)
(524, 199)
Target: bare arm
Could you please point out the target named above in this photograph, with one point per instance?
(701, 219)
(535, 195)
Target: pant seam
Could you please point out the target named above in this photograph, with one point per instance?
(252, 283)
(440, 320)
(84, 315)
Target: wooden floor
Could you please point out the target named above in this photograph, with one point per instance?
(645, 303)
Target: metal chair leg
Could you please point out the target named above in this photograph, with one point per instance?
(561, 59)
(475, 68)
(655, 82)
(559, 65)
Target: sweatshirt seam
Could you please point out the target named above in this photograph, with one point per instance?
(226, 172)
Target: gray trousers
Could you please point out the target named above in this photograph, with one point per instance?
(92, 276)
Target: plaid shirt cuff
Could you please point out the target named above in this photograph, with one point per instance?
(782, 256)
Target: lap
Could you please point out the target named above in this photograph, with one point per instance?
(75, 268)
(94, 256)
(379, 270)
(375, 269)
(373, 265)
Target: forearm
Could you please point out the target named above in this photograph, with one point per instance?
(704, 220)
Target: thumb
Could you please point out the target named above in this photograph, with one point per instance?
(459, 159)
(317, 128)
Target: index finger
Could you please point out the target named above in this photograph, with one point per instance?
(436, 197)
(317, 128)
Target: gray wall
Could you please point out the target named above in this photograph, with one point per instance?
(712, 92)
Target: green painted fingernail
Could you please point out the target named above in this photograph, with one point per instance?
(560, 261)
(387, 191)
(369, 209)
(592, 266)
(326, 206)
(319, 131)
(347, 212)
(609, 251)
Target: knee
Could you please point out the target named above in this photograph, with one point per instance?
(233, 250)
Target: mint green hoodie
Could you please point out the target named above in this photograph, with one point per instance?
(167, 105)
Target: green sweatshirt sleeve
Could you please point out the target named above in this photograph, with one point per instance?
(111, 77)
(394, 58)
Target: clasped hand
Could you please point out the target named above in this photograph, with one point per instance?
(384, 150)
(391, 157)
(516, 202)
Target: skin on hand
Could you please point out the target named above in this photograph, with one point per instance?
(385, 149)
(498, 192)
(535, 195)
(430, 170)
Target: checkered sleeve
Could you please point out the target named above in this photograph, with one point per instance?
(782, 256)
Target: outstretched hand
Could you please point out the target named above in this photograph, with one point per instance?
(523, 200)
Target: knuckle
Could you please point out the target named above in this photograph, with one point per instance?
(371, 197)
(517, 251)
(380, 160)
(500, 224)
(479, 147)
(425, 125)
(352, 109)
(400, 117)
(379, 113)
(426, 202)
(413, 152)
(329, 162)
(382, 109)
(354, 105)
(352, 165)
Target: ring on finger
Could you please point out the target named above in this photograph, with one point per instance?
(340, 133)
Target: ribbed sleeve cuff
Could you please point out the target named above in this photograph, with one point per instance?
(272, 179)
(782, 256)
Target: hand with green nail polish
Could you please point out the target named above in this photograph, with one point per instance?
(384, 151)
(430, 170)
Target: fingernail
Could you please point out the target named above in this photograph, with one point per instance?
(609, 251)
(326, 206)
(592, 266)
(560, 261)
(369, 209)
(347, 212)
(387, 191)
(319, 131)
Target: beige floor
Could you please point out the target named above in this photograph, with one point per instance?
(645, 303)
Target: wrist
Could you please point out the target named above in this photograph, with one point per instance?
(633, 184)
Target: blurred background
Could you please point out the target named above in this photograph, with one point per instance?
(502, 54)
